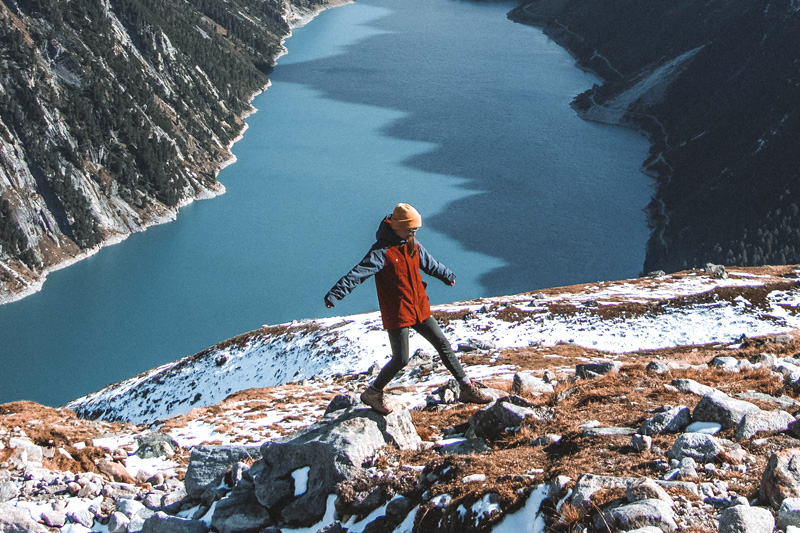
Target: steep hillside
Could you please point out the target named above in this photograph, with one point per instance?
(113, 114)
(715, 85)
(666, 402)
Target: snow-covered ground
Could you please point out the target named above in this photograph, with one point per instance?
(615, 317)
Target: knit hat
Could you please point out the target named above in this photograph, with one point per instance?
(405, 217)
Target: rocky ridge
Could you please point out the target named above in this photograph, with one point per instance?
(692, 436)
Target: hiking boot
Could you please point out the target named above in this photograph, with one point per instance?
(375, 400)
(472, 394)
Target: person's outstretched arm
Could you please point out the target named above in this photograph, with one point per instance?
(372, 263)
(434, 268)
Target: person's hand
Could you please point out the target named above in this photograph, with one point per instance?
(452, 283)
(328, 303)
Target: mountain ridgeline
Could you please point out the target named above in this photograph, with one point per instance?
(716, 85)
(115, 113)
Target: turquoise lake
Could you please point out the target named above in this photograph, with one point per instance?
(444, 104)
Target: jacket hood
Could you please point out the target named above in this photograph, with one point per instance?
(386, 234)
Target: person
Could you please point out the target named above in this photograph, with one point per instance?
(395, 260)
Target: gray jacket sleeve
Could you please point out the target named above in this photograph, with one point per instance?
(434, 268)
(372, 263)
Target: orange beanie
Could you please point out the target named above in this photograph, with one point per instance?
(405, 217)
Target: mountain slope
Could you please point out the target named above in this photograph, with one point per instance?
(114, 114)
(607, 318)
(715, 85)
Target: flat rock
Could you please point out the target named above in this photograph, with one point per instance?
(693, 387)
(587, 370)
(163, 523)
(527, 384)
(153, 445)
(507, 412)
(608, 431)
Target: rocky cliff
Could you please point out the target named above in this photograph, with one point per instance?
(715, 85)
(113, 114)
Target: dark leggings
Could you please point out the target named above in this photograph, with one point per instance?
(398, 338)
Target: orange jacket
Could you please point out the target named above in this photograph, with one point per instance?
(401, 291)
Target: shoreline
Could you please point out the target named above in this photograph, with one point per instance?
(297, 18)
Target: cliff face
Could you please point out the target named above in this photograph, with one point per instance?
(716, 86)
(113, 114)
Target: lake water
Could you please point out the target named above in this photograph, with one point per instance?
(444, 104)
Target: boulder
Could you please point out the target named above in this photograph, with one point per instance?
(209, 464)
(781, 478)
(154, 445)
(328, 452)
(722, 409)
(118, 523)
(789, 513)
(699, 446)
(8, 491)
(693, 387)
(746, 519)
(54, 518)
(508, 412)
(657, 367)
(759, 421)
(641, 443)
(642, 513)
(669, 420)
(527, 384)
(18, 520)
(163, 523)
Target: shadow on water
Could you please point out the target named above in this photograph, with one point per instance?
(557, 199)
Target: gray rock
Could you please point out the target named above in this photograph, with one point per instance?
(746, 519)
(546, 440)
(781, 478)
(789, 513)
(129, 507)
(783, 339)
(241, 511)
(760, 421)
(18, 520)
(54, 518)
(8, 491)
(698, 446)
(209, 464)
(154, 445)
(163, 523)
(671, 420)
(693, 387)
(646, 489)
(33, 453)
(333, 449)
(508, 412)
(342, 401)
(642, 513)
(83, 517)
(585, 370)
(527, 384)
(722, 409)
(118, 523)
